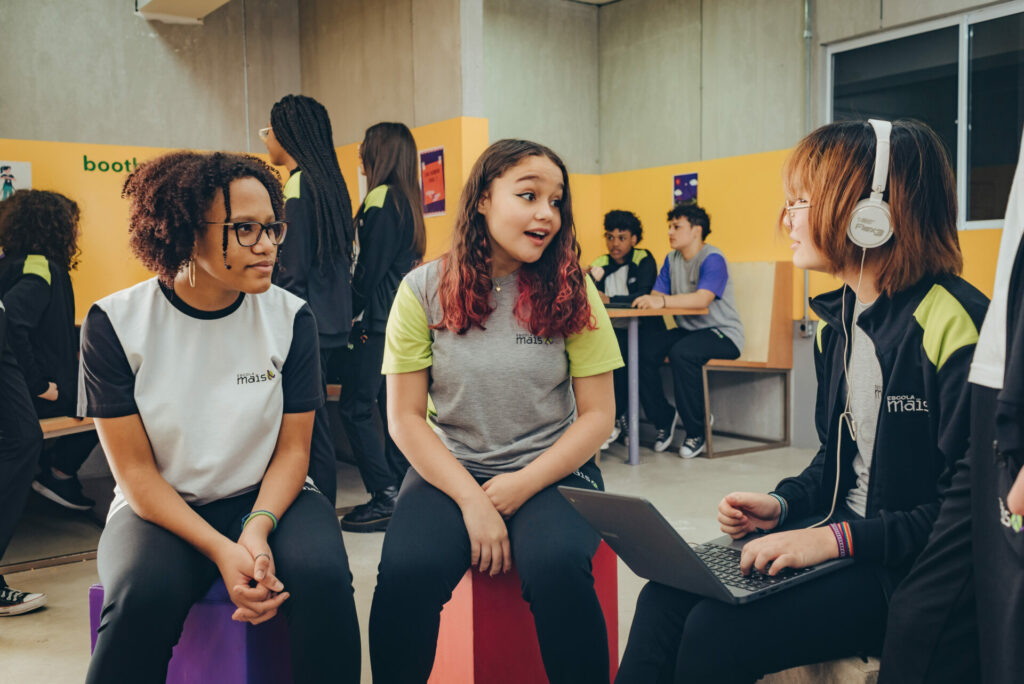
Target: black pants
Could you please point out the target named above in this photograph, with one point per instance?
(21, 440)
(687, 353)
(681, 637)
(933, 634)
(151, 578)
(323, 465)
(380, 463)
(426, 553)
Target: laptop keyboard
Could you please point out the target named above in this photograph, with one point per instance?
(724, 561)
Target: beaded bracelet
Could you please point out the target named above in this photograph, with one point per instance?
(784, 507)
(250, 516)
(844, 539)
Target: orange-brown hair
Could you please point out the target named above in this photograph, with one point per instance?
(833, 168)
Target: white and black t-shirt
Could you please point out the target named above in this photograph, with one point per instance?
(210, 386)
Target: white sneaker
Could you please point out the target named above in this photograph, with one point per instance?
(664, 437)
(14, 602)
(692, 446)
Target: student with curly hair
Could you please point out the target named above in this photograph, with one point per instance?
(39, 239)
(203, 382)
(512, 342)
(316, 264)
(391, 240)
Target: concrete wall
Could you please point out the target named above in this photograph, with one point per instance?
(95, 72)
(386, 60)
(541, 76)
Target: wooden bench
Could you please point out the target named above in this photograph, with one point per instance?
(851, 670)
(63, 425)
(764, 299)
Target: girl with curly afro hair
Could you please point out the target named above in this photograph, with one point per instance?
(39, 238)
(203, 383)
(517, 351)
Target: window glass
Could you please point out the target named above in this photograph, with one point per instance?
(995, 113)
(912, 77)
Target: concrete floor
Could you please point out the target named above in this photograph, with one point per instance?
(52, 644)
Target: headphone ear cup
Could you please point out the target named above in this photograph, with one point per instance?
(870, 224)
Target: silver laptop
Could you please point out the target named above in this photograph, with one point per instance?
(652, 548)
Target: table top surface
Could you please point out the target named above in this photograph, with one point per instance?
(670, 311)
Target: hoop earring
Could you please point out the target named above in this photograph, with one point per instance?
(192, 272)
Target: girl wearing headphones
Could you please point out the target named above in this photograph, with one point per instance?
(517, 352)
(872, 204)
(203, 382)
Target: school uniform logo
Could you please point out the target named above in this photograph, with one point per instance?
(1011, 520)
(905, 403)
(249, 378)
(522, 338)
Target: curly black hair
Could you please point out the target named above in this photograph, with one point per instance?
(170, 196)
(40, 222)
(617, 219)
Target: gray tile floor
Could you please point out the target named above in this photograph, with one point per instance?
(52, 645)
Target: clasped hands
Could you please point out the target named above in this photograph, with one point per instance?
(247, 568)
(485, 517)
(742, 513)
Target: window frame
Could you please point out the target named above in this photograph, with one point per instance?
(964, 21)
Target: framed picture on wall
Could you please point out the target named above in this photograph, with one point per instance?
(432, 181)
(684, 188)
(14, 175)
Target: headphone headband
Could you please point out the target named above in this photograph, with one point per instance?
(883, 131)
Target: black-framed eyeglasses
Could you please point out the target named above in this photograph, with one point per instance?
(248, 233)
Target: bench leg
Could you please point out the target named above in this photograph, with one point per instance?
(708, 450)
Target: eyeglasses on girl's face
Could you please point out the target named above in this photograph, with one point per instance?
(248, 233)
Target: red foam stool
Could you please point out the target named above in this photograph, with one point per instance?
(487, 630)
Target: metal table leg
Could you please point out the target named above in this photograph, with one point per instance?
(633, 373)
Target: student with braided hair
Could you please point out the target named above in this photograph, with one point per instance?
(316, 264)
(203, 383)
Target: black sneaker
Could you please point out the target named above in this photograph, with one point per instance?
(372, 516)
(664, 437)
(67, 493)
(692, 446)
(14, 602)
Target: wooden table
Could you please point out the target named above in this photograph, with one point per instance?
(632, 367)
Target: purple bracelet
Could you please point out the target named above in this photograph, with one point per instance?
(844, 539)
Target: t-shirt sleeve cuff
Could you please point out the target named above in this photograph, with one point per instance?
(597, 368)
(304, 405)
(110, 410)
(394, 366)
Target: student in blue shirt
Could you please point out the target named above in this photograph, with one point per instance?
(694, 275)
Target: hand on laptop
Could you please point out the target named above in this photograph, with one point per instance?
(774, 553)
(741, 513)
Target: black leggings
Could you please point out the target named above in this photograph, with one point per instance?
(151, 578)
(426, 553)
(20, 442)
(687, 353)
(681, 637)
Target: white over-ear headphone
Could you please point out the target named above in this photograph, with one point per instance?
(871, 223)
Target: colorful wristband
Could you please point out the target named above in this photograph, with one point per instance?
(784, 510)
(844, 539)
(250, 516)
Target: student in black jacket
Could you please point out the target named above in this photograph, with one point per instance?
(892, 353)
(390, 241)
(20, 441)
(623, 274)
(316, 263)
(39, 239)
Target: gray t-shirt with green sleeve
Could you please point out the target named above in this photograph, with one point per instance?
(502, 396)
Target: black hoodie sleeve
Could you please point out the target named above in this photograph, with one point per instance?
(295, 256)
(803, 491)
(383, 234)
(26, 301)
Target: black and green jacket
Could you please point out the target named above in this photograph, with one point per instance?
(40, 304)
(385, 229)
(326, 288)
(924, 338)
(643, 272)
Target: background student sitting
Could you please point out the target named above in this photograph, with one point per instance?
(39, 239)
(695, 275)
(622, 275)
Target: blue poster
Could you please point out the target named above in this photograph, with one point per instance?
(684, 189)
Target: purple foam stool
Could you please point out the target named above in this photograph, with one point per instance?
(215, 648)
